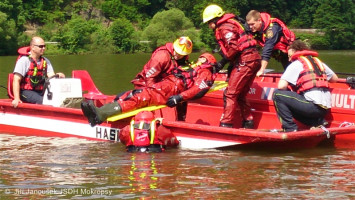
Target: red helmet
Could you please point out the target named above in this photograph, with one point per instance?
(146, 116)
(210, 58)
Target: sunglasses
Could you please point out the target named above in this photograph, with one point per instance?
(40, 46)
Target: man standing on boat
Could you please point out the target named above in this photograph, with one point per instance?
(238, 48)
(184, 83)
(163, 61)
(30, 72)
(273, 35)
(310, 99)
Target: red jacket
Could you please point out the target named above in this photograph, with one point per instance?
(159, 66)
(232, 37)
(285, 40)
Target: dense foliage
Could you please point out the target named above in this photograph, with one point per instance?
(125, 26)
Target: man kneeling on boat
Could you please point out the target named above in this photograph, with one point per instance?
(310, 99)
(144, 134)
(183, 84)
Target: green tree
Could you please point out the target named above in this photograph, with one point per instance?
(11, 25)
(131, 10)
(53, 20)
(168, 25)
(75, 35)
(304, 11)
(336, 19)
(102, 41)
(121, 31)
(8, 36)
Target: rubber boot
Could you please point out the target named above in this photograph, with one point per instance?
(249, 124)
(226, 125)
(98, 115)
(108, 110)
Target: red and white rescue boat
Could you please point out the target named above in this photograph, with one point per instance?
(200, 129)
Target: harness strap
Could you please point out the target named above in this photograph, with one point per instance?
(315, 66)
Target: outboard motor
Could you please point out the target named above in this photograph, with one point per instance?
(351, 81)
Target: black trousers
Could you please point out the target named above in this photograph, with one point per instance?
(30, 96)
(291, 105)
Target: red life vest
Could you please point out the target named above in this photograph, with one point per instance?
(35, 76)
(285, 40)
(313, 74)
(23, 51)
(245, 40)
(189, 73)
(142, 133)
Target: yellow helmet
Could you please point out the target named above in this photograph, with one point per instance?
(211, 12)
(183, 46)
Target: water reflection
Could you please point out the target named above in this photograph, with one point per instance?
(71, 168)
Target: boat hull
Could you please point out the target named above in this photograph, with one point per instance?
(49, 121)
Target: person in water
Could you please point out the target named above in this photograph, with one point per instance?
(145, 134)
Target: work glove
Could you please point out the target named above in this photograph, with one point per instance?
(174, 100)
(220, 64)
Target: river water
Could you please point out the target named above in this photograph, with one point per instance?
(72, 168)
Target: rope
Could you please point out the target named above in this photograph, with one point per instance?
(326, 131)
(346, 124)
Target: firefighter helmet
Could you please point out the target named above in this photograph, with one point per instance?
(183, 46)
(211, 12)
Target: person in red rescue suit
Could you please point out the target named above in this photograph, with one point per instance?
(239, 48)
(145, 134)
(31, 71)
(162, 62)
(273, 35)
(182, 85)
(310, 99)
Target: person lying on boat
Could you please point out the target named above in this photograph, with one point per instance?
(183, 84)
(310, 98)
(162, 62)
(30, 72)
(145, 134)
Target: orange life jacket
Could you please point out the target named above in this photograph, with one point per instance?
(245, 40)
(285, 40)
(313, 74)
(35, 76)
